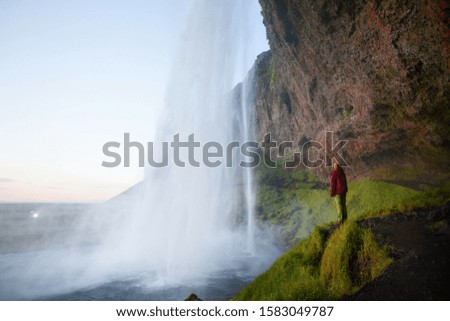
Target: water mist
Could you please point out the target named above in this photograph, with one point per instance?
(184, 225)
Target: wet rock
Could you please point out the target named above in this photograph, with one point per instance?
(193, 297)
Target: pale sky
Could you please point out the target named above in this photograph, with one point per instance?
(75, 75)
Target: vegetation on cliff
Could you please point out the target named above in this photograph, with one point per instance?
(327, 262)
(297, 200)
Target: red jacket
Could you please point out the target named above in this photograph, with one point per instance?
(338, 184)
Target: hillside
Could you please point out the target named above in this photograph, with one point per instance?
(395, 245)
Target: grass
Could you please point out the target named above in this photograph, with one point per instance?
(318, 268)
(294, 276)
(369, 197)
(298, 202)
(322, 266)
(351, 259)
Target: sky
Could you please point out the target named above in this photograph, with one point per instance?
(77, 74)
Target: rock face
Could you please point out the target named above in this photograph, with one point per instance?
(193, 297)
(375, 73)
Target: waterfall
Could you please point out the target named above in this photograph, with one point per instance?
(247, 134)
(248, 180)
(183, 223)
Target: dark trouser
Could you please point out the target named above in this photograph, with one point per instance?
(341, 207)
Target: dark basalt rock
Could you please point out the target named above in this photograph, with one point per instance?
(373, 72)
(193, 297)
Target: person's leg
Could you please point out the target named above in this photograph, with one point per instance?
(337, 198)
(344, 207)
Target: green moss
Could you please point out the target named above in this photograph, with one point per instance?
(346, 114)
(287, 197)
(369, 197)
(317, 269)
(294, 276)
(273, 76)
(290, 199)
(351, 259)
(439, 225)
(433, 196)
(419, 170)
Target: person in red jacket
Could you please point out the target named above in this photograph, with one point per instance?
(338, 188)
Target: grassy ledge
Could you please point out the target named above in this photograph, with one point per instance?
(298, 201)
(321, 267)
(327, 264)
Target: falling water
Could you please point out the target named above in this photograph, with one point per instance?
(246, 130)
(184, 221)
(247, 135)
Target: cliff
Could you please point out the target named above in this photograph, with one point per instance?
(375, 73)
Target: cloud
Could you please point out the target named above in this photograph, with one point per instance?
(5, 180)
